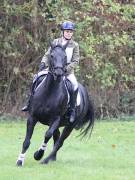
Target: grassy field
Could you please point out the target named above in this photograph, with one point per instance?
(108, 155)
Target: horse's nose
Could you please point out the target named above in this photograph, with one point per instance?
(59, 72)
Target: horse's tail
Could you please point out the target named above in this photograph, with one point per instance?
(86, 124)
(89, 118)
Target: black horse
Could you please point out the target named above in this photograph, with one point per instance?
(50, 106)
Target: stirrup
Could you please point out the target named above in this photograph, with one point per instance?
(25, 108)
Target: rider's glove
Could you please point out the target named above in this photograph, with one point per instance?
(70, 67)
(42, 66)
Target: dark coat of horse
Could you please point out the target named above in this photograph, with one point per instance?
(49, 106)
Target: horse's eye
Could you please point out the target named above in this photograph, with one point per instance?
(51, 55)
(65, 57)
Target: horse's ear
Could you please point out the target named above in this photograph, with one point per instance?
(51, 45)
(65, 46)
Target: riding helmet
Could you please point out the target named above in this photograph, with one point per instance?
(68, 25)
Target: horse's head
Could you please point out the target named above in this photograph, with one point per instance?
(57, 60)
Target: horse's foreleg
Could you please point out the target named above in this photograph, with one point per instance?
(66, 132)
(30, 127)
(56, 136)
(50, 132)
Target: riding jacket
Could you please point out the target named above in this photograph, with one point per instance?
(72, 52)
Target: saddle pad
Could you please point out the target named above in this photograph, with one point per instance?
(78, 99)
(39, 74)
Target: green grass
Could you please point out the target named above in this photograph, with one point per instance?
(108, 155)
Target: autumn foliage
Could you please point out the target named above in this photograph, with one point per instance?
(106, 35)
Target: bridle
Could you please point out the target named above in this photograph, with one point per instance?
(53, 69)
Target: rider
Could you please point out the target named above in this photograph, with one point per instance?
(72, 52)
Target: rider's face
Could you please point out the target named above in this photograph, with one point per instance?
(68, 34)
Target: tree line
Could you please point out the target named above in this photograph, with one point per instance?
(105, 31)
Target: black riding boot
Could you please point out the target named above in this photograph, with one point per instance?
(26, 107)
(73, 98)
(34, 85)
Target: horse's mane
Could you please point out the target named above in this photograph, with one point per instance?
(57, 45)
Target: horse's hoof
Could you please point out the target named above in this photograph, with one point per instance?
(19, 163)
(38, 154)
(53, 158)
(46, 161)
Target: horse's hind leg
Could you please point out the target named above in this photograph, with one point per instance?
(50, 132)
(30, 127)
(66, 132)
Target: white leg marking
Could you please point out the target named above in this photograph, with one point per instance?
(21, 157)
(43, 146)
